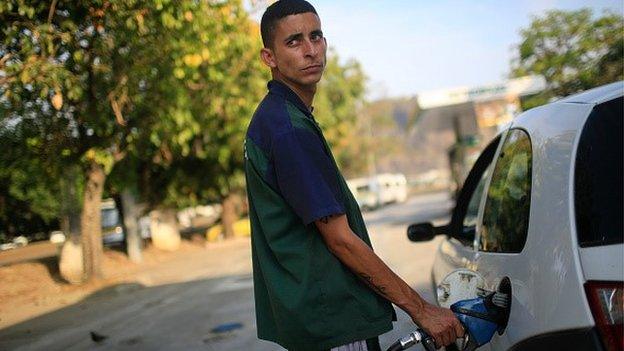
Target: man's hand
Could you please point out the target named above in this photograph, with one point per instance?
(440, 323)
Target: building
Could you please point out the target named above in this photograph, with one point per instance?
(454, 125)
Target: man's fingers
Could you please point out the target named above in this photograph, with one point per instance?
(450, 336)
(439, 340)
(459, 330)
(444, 338)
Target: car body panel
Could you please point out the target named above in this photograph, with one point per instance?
(559, 303)
(577, 339)
(603, 262)
(452, 254)
(548, 274)
(597, 95)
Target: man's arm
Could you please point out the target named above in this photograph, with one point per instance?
(440, 323)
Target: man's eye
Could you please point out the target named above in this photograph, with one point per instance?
(291, 43)
(317, 36)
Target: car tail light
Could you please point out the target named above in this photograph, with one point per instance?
(606, 300)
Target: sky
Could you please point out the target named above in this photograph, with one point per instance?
(410, 46)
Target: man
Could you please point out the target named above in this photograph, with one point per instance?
(318, 284)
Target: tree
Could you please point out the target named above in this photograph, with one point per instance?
(27, 194)
(572, 50)
(70, 73)
(338, 106)
(192, 152)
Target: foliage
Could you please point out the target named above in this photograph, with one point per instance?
(338, 107)
(175, 79)
(572, 50)
(157, 94)
(384, 131)
(209, 85)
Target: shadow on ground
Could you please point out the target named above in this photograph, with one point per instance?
(168, 317)
(131, 316)
(51, 264)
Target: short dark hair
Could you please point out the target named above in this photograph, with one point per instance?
(277, 11)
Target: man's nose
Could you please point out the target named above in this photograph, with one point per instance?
(310, 48)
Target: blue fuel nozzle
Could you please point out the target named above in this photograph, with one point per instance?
(482, 317)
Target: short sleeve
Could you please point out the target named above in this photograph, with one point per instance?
(306, 176)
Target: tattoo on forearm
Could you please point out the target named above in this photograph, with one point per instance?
(325, 219)
(378, 288)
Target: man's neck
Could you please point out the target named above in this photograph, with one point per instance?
(305, 93)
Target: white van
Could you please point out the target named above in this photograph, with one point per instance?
(365, 192)
(391, 187)
(378, 190)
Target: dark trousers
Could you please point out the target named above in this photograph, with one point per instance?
(372, 344)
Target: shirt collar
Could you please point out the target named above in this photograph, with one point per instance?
(281, 89)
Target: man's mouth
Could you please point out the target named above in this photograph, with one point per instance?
(313, 68)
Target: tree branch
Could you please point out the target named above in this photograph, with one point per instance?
(4, 59)
(52, 10)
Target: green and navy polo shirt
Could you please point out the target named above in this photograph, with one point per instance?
(306, 299)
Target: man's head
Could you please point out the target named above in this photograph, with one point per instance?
(294, 46)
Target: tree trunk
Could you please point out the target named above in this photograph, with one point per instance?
(134, 243)
(71, 263)
(70, 226)
(228, 215)
(91, 222)
(71, 266)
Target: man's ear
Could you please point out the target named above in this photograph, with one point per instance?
(268, 57)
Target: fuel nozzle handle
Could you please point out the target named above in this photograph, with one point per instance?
(415, 337)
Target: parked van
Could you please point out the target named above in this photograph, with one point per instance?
(378, 190)
(365, 192)
(391, 188)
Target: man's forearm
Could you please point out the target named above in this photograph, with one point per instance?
(361, 259)
(373, 271)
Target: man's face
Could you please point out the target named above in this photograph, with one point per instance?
(299, 49)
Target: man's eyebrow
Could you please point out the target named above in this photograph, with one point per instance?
(299, 36)
(296, 36)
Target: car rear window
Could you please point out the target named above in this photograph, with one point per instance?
(598, 177)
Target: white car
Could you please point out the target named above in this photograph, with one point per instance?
(540, 217)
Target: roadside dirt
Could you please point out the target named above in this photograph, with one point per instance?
(30, 289)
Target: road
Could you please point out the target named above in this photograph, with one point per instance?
(183, 315)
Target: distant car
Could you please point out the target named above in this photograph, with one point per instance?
(57, 237)
(113, 232)
(112, 227)
(18, 241)
(540, 217)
